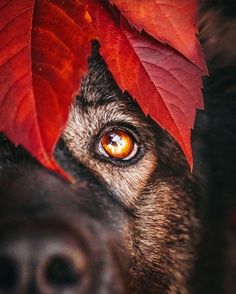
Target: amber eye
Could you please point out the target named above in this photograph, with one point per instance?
(118, 144)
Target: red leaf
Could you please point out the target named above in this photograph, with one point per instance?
(43, 53)
(164, 83)
(171, 22)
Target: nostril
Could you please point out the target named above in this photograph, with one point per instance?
(61, 271)
(9, 273)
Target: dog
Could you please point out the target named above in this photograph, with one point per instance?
(136, 220)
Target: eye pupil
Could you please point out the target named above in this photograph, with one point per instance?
(117, 144)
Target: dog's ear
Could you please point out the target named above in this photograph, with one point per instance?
(217, 29)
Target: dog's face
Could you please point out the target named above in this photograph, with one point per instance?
(144, 170)
(131, 212)
(130, 222)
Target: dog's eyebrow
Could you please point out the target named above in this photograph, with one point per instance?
(94, 99)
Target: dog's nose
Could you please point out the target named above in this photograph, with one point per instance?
(47, 265)
(54, 240)
(9, 272)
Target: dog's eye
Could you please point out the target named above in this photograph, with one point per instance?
(118, 144)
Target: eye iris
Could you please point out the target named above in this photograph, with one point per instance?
(117, 144)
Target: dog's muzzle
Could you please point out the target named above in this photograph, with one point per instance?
(56, 240)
